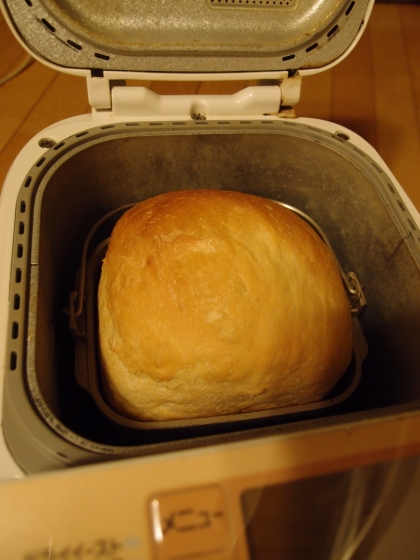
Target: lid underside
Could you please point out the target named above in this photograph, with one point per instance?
(188, 36)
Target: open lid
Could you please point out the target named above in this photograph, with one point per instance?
(185, 36)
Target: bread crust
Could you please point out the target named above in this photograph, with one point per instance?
(215, 302)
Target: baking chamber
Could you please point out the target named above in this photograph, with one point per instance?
(50, 420)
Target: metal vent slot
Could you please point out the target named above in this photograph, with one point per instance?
(254, 4)
(48, 25)
(349, 9)
(15, 330)
(74, 45)
(102, 56)
(332, 31)
(411, 223)
(13, 361)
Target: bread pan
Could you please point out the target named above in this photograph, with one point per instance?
(84, 326)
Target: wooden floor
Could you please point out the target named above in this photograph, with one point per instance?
(375, 92)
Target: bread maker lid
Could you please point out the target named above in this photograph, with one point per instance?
(185, 36)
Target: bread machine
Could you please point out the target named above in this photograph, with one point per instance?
(339, 482)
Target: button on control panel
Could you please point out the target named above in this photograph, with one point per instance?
(192, 524)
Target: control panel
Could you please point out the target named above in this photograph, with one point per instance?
(192, 524)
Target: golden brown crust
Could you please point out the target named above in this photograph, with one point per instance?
(215, 302)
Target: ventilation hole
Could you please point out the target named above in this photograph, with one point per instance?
(22, 207)
(60, 145)
(18, 275)
(102, 56)
(288, 57)
(223, 122)
(252, 3)
(349, 9)
(312, 47)
(82, 134)
(377, 167)
(332, 31)
(107, 126)
(290, 123)
(48, 25)
(21, 228)
(13, 361)
(245, 122)
(29, 3)
(132, 124)
(40, 162)
(359, 151)
(201, 122)
(176, 123)
(16, 302)
(391, 188)
(156, 123)
(27, 182)
(267, 122)
(20, 251)
(401, 205)
(74, 45)
(413, 227)
(15, 330)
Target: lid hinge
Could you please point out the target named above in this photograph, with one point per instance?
(119, 100)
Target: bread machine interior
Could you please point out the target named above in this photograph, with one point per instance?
(49, 419)
(339, 186)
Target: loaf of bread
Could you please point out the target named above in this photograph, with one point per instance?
(214, 302)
